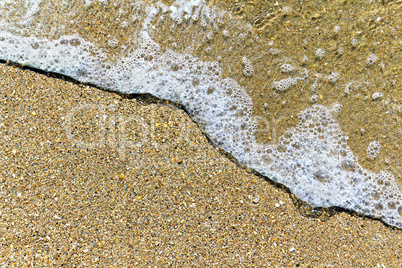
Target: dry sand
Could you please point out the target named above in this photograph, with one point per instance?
(89, 178)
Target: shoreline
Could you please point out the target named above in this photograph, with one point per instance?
(91, 178)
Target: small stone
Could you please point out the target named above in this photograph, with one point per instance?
(121, 176)
(292, 249)
(256, 200)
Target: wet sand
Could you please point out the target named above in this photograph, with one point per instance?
(89, 178)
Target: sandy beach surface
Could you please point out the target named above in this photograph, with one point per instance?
(89, 178)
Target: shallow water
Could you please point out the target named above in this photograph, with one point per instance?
(306, 93)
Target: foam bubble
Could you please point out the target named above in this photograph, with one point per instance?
(377, 95)
(284, 84)
(373, 150)
(287, 67)
(248, 67)
(333, 77)
(320, 53)
(371, 59)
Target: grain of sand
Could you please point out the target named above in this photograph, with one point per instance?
(89, 178)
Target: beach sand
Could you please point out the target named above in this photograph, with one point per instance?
(89, 178)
